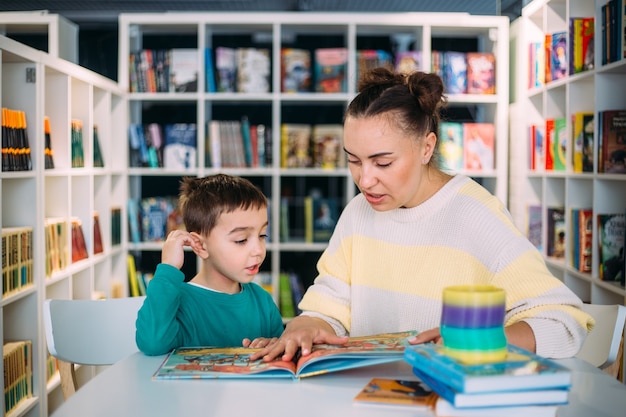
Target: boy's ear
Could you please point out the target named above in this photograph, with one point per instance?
(199, 245)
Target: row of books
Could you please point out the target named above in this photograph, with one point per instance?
(17, 358)
(562, 53)
(549, 143)
(309, 219)
(312, 146)
(465, 72)
(467, 146)
(138, 280)
(523, 381)
(238, 143)
(163, 70)
(17, 259)
(15, 145)
(613, 35)
(610, 240)
(171, 146)
(152, 218)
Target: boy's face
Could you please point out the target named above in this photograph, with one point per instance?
(237, 248)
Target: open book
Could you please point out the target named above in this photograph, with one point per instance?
(234, 362)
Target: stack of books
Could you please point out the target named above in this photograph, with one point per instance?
(522, 380)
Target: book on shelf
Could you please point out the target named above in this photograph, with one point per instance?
(17, 259)
(451, 146)
(48, 153)
(548, 396)
(17, 358)
(296, 145)
(556, 53)
(560, 144)
(226, 69)
(134, 221)
(209, 70)
(183, 70)
(581, 48)
(234, 362)
(555, 228)
(537, 147)
(536, 70)
(79, 244)
(582, 238)
(320, 217)
(116, 226)
(330, 70)
(15, 144)
(549, 139)
(481, 72)
(327, 147)
(582, 134)
(98, 246)
(611, 235)
(612, 141)
(367, 59)
(154, 214)
(98, 159)
(153, 135)
(295, 68)
(137, 146)
(613, 38)
(133, 278)
(454, 71)
(285, 296)
(479, 146)
(57, 253)
(535, 225)
(409, 61)
(519, 370)
(76, 143)
(397, 392)
(253, 70)
(179, 149)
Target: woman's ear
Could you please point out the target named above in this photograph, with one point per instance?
(429, 144)
(199, 245)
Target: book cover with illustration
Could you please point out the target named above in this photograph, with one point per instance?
(611, 237)
(295, 70)
(320, 217)
(520, 370)
(555, 243)
(330, 70)
(409, 61)
(454, 72)
(183, 70)
(612, 146)
(327, 146)
(179, 150)
(481, 73)
(559, 67)
(226, 69)
(560, 144)
(234, 362)
(479, 146)
(253, 70)
(451, 146)
(582, 132)
(296, 145)
(397, 392)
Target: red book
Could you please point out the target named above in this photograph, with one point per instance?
(549, 145)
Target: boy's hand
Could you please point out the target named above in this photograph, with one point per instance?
(173, 252)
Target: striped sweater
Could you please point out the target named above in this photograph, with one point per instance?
(385, 271)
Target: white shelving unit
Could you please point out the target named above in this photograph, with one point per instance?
(602, 88)
(40, 85)
(354, 31)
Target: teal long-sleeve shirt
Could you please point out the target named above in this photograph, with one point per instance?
(176, 314)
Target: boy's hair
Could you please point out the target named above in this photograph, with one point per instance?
(203, 200)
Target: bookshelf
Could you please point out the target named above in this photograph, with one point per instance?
(44, 86)
(288, 188)
(595, 90)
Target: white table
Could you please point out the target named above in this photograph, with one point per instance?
(126, 389)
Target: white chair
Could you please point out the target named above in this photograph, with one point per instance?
(604, 343)
(89, 332)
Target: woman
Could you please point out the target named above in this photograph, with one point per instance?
(414, 230)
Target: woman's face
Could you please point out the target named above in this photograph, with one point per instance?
(387, 165)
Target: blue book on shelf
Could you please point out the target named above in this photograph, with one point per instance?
(457, 399)
(520, 370)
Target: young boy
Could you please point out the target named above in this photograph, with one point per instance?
(226, 222)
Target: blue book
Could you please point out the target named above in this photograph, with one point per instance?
(520, 370)
(493, 399)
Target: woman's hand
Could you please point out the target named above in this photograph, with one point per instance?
(259, 342)
(427, 336)
(301, 333)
